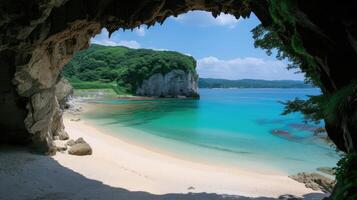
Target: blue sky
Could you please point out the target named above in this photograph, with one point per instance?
(222, 46)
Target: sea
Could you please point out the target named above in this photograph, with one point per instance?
(238, 128)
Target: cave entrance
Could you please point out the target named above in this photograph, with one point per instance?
(39, 37)
(237, 120)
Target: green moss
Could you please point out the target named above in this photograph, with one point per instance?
(338, 105)
(346, 176)
(282, 12)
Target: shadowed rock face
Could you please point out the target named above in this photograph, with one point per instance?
(38, 37)
(173, 84)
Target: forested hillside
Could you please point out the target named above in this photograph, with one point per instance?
(250, 83)
(122, 68)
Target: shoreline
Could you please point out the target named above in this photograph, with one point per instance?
(196, 158)
(119, 163)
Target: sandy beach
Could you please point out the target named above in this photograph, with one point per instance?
(119, 163)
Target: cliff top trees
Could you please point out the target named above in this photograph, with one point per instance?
(124, 66)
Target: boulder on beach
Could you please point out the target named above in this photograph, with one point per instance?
(79, 147)
(315, 181)
(70, 142)
(80, 141)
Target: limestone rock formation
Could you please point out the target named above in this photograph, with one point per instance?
(63, 91)
(176, 83)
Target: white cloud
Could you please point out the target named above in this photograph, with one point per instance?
(159, 49)
(129, 43)
(226, 20)
(140, 31)
(245, 68)
(203, 18)
(103, 39)
(105, 42)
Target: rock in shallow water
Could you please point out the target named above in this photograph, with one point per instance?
(327, 170)
(282, 134)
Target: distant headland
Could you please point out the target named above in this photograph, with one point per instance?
(251, 83)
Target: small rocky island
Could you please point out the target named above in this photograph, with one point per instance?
(140, 72)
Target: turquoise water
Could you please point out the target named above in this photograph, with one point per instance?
(233, 127)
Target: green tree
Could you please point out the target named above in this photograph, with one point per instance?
(125, 67)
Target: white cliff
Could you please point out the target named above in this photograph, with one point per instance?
(176, 83)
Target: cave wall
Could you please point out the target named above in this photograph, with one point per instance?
(324, 34)
(12, 106)
(336, 56)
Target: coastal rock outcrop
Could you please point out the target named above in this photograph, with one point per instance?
(176, 83)
(327, 170)
(315, 181)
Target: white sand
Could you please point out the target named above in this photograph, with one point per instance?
(117, 163)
